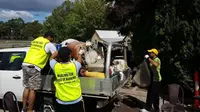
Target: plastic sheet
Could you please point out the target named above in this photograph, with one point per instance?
(142, 77)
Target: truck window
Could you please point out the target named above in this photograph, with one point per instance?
(117, 52)
(11, 60)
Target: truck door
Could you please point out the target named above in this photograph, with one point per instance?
(11, 73)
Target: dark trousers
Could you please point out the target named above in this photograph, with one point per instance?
(78, 107)
(153, 96)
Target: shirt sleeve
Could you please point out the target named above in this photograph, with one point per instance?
(78, 66)
(50, 48)
(52, 63)
(157, 60)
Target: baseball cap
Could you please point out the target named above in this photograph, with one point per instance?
(155, 51)
(49, 33)
(64, 52)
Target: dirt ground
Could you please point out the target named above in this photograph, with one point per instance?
(133, 99)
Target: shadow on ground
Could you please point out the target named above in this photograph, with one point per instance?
(133, 102)
(127, 104)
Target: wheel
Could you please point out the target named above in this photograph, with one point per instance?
(47, 107)
(90, 104)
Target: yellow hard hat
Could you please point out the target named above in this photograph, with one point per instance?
(155, 51)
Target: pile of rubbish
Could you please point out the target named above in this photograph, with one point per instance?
(94, 58)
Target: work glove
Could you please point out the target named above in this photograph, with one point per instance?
(98, 57)
(81, 52)
(146, 56)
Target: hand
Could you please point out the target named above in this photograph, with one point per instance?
(54, 55)
(146, 56)
(82, 72)
(81, 52)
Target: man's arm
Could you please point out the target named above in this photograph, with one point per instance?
(52, 61)
(78, 66)
(54, 55)
(154, 63)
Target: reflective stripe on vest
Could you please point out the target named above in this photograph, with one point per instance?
(67, 83)
(37, 54)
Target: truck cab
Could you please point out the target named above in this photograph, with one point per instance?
(11, 74)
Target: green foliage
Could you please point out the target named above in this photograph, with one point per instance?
(172, 26)
(18, 29)
(15, 27)
(177, 27)
(135, 17)
(55, 22)
(3, 29)
(32, 29)
(77, 19)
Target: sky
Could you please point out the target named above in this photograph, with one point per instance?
(28, 10)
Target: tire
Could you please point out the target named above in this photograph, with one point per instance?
(47, 107)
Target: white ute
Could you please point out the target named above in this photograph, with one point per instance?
(97, 92)
(11, 75)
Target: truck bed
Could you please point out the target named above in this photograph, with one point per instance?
(91, 87)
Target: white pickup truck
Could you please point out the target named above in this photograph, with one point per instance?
(101, 91)
(11, 74)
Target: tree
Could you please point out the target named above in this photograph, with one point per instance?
(177, 28)
(15, 27)
(3, 29)
(134, 17)
(170, 26)
(55, 22)
(18, 29)
(32, 29)
(77, 19)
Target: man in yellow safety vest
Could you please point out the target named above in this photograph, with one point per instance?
(68, 90)
(34, 62)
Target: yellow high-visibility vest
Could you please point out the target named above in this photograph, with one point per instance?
(13, 57)
(67, 83)
(37, 54)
